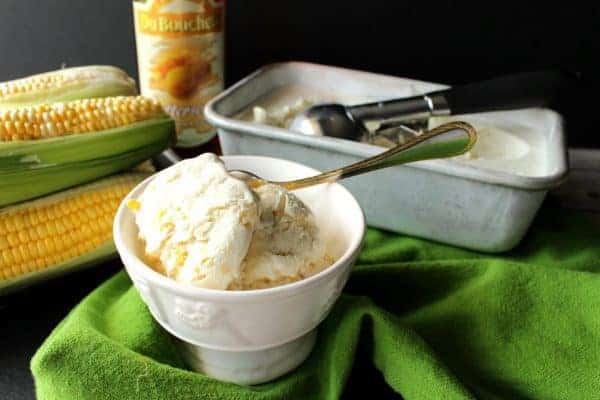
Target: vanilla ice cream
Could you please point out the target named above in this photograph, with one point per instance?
(286, 245)
(506, 143)
(280, 107)
(204, 227)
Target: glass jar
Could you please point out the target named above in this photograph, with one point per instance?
(180, 50)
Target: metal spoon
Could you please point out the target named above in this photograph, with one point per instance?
(447, 140)
(533, 89)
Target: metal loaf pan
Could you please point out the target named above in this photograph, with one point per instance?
(441, 200)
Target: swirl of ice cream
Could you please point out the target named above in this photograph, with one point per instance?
(286, 245)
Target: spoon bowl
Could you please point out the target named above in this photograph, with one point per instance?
(328, 119)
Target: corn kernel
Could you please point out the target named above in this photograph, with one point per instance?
(134, 205)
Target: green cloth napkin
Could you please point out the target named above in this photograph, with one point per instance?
(437, 321)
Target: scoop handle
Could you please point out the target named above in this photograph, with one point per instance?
(529, 89)
(447, 140)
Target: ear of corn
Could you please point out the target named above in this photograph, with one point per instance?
(116, 134)
(59, 130)
(28, 155)
(66, 85)
(60, 232)
(76, 117)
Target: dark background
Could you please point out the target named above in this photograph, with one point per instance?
(445, 41)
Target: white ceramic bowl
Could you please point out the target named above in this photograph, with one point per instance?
(250, 336)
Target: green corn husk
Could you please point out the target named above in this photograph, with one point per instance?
(35, 154)
(33, 168)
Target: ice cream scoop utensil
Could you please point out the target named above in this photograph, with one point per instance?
(531, 89)
(447, 140)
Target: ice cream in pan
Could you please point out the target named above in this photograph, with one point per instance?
(201, 226)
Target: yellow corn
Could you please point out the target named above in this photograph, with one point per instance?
(59, 228)
(36, 83)
(65, 85)
(78, 116)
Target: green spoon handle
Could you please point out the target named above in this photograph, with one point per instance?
(447, 140)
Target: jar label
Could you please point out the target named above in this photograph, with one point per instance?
(180, 49)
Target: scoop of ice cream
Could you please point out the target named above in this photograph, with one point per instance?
(286, 245)
(280, 116)
(203, 227)
(196, 222)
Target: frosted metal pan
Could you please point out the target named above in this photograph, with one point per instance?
(443, 200)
